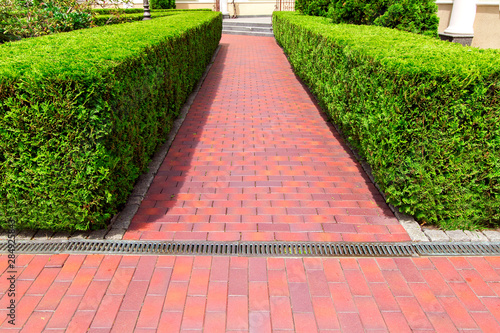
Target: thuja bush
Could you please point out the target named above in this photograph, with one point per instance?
(425, 114)
(162, 4)
(417, 16)
(79, 126)
(126, 17)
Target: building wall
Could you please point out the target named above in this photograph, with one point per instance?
(486, 25)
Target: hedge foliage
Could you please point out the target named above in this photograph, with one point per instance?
(425, 114)
(100, 20)
(162, 4)
(417, 16)
(82, 112)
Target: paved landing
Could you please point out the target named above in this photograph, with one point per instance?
(96, 293)
(256, 159)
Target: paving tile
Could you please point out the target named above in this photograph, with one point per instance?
(159, 281)
(259, 321)
(257, 269)
(369, 313)
(350, 322)
(258, 297)
(194, 312)
(36, 322)
(64, 312)
(108, 311)
(300, 297)
(217, 296)
(281, 313)
(81, 321)
(215, 322)
(278, 284)
(176, 296)
(53, 296)
(413, 313)
(237, 313)
(198, 284)
(150, 312)
(93, 295)
(457, 312)
(467, 296)
(396, 322)
(134, 296)
(383, 297)
(170, 321)
(425, 297)
(357, 284)
(304, 322)
(342, 297)
(485, 321)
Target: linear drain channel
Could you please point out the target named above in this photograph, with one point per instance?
(263, 249)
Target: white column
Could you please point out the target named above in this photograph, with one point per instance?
(223, 7)
(462, 18)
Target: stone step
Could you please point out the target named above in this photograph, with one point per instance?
(247, 28)
(248, 33)
(245, 24)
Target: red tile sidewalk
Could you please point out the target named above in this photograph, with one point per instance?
(112, 293)
(256, 159)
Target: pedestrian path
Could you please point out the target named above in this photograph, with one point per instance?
(257, 160)
(96, 293)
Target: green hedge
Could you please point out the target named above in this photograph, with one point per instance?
(162, 4)
(107, 11)
(417, 16)
(425, 114)
(100, 20)
(82, 112)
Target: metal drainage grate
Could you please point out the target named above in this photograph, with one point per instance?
(281, 249)
(457, 249)
(263, 249)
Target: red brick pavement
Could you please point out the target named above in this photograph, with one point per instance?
(113, 293)
(257, 160)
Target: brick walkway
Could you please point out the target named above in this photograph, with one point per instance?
(122, 294)
(256, 159)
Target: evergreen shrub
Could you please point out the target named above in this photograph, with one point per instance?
(82, 112)
(425, 114)
(417, 16)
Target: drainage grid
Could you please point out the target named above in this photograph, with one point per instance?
(249, 249)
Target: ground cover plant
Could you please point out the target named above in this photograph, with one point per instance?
(82, 112)
(425, 114)
(417, 16)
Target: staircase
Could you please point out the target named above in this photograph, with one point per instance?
(252, 26)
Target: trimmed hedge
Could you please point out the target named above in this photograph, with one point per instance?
(107, 11)
(162, 4)
(82, 112)
(425, 114)
(100, 20)
(417, 16)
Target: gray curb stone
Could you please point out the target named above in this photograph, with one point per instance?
(457, 236)
(492, 235)
(476, 236)
(436, 235)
